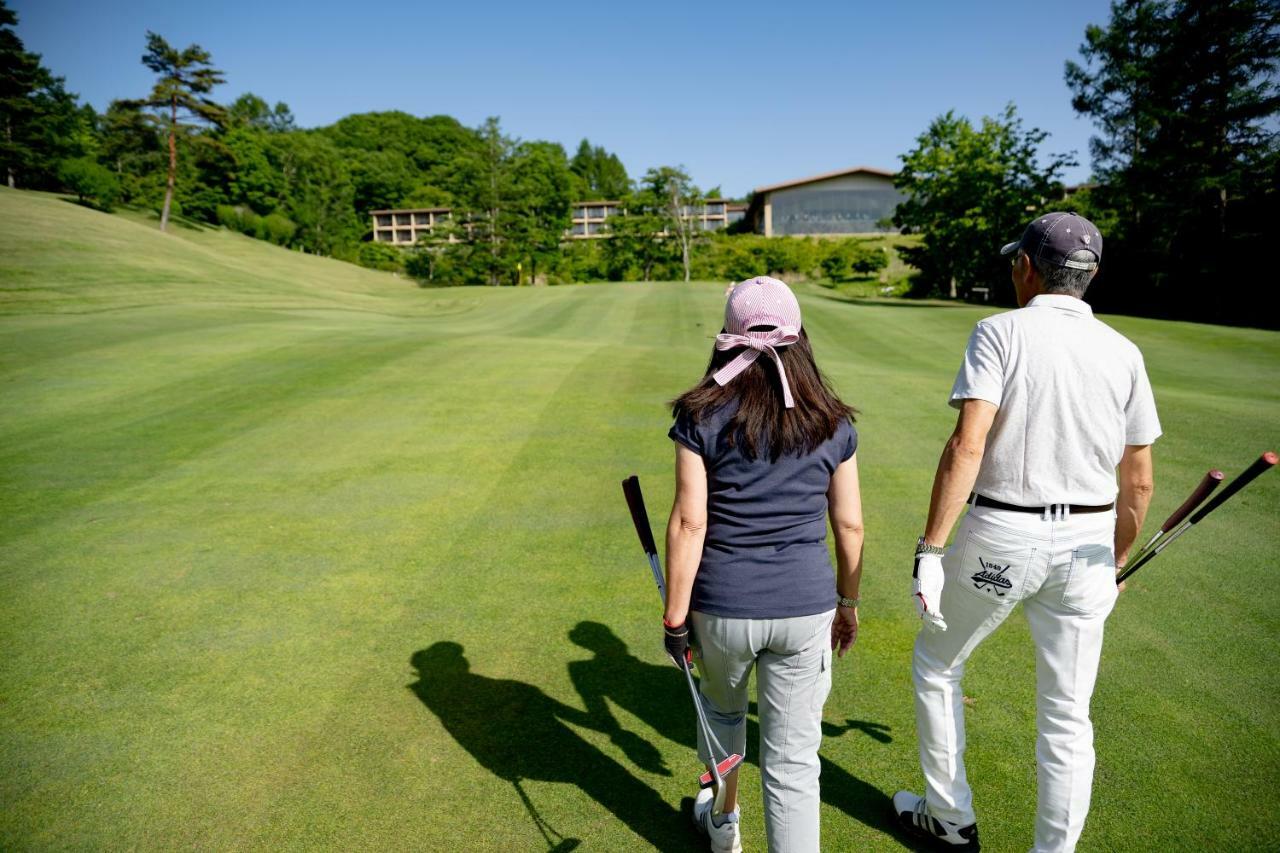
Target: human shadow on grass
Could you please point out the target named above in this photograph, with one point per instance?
(517, 732)
(655, 694)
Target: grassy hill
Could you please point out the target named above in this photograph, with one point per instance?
(256, 507)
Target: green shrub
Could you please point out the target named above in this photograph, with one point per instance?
(93, 183)
(380, 256)
(845, 260)
(279, 229)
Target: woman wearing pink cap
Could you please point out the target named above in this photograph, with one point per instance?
(765, 451)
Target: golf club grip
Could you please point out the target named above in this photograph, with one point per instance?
(639, 517)
(1263, 463)
(1211, 481)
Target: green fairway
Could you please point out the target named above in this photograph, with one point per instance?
(256, 507)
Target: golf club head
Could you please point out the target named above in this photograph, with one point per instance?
(724, 768)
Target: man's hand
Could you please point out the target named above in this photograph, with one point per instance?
(926, 590)
(676, 640)
(844, 630)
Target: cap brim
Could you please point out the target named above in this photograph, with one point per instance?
(1010, 248)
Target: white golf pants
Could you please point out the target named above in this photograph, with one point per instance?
(1063, 572)
(792, 658)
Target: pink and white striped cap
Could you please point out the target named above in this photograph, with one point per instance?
(760, 301)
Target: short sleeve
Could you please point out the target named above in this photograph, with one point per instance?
(981, 374)
(686, 432)
(850, 441)
(1141, 423)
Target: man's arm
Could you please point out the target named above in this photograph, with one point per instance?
(958, 469)
(686, 531)
(1137, 485)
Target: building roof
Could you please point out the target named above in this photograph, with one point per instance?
(839, 173)
(412, 210)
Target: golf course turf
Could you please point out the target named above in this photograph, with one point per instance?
(295, 554)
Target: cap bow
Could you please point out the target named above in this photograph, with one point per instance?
(756, 343)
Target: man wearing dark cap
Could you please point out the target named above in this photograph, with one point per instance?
(1053, 403)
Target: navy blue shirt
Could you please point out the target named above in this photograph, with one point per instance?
(765, 555)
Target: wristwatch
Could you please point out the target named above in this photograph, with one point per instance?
(847, 602)
(923, 548)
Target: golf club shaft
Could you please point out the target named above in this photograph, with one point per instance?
(1264, 463)
(706, 727)
(640, 518)
(1212, 479)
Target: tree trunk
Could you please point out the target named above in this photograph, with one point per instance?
(173, 164)
(8, 135)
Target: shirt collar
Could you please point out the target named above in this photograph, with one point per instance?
(1062, 302)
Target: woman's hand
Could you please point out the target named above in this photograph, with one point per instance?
(844, 629)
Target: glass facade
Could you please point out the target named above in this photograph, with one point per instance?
(815, 209)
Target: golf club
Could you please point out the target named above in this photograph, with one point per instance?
(720, 767)
(1211, 481)
(1263, 463)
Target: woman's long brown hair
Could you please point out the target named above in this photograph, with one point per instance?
(761, 423)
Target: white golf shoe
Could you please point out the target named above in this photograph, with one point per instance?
(913, 816)
(725, 837)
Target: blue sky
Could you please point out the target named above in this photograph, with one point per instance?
(742, 94)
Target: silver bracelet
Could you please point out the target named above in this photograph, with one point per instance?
(923, 548)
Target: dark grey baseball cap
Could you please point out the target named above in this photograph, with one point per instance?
(1052, 237)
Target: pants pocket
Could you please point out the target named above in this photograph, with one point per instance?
(994, 564)
(1091, 580)
(822, 685)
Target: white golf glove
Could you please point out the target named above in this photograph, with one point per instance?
(926, 590)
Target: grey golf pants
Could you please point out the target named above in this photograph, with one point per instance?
(793, 659)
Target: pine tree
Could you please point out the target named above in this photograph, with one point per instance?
(178, 101)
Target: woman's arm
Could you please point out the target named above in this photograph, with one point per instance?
(844, 506)
(686, 531)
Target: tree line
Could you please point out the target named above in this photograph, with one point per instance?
(1186, 167)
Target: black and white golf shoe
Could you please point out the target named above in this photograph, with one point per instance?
(913, 816)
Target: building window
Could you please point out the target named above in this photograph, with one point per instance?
(579, 229)
(736, 216)
(384, 219)
(715, 208)
(595, 227)
(404, 235)
(595, 213)
(385, 236)
(422, 219)
(579, 213)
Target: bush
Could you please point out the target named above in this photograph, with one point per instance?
(93, 183)
(380, 256)
(846, 260)
(279, 228)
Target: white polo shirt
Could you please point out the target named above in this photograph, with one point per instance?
(1072, 393)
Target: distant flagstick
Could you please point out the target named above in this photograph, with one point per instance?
(1264, 463)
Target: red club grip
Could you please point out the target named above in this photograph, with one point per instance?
(1211, 481)
(639, 517)
(1264, 463)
